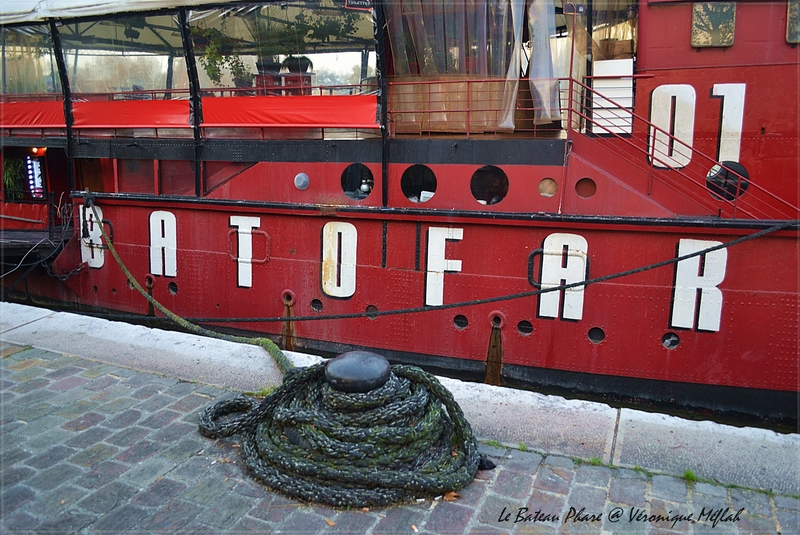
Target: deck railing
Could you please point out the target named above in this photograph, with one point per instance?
(722, 189)
(481, 107)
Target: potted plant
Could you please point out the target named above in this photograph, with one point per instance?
(13, 177)
(219, 52)
(242, 77)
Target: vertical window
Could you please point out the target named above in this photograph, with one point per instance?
(24, 172)
(125, 57)
(29, 66)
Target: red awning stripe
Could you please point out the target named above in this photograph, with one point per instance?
(317, 111)
(131, 114)
(328, 111)
(45, 114)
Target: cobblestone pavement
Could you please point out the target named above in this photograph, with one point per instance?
(93, 448)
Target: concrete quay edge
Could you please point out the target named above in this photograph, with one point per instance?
(747, 457)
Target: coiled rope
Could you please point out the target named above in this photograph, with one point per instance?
(404, 440)
(389, 445)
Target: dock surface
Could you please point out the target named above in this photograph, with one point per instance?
(98, 428)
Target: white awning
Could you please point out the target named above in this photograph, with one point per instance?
(15, 11)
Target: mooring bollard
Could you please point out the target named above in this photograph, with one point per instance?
(357, 371)
(353, 432)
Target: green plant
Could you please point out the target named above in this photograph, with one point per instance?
(595, 461)
(493, 444)
(523, 447)
(272, 36)
(239, 71)
(689, 475)
(13, 177)
(219, 51)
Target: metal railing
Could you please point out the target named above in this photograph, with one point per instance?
(722, 189)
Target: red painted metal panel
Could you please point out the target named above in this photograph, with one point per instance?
(132, 114)
(322, 111)
(45, 114)
(759, 38)
(755, 346)
(274, 181)
(17, 215)
(453, 188)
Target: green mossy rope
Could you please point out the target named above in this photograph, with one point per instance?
(404, 440)
(280, 359)
(408, 439)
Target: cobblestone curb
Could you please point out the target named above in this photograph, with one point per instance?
(93, 448)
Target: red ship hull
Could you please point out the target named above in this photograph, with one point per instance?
(639, 241)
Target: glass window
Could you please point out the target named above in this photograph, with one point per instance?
(23, 173)
(432, 38)
(132, 57)
(713, 24)
(29, 65)
(300, 44)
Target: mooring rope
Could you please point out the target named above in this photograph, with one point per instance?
(390, 445)
(316, 444)
(783, 225)
(280, 359)
(404, 440)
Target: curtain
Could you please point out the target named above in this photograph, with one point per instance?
(541, 74)
(468, 40)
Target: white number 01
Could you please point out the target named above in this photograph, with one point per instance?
(672, 115)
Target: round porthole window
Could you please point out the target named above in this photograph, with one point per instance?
(357, 181)
(418, 183)
(489, 185)
(728, 182)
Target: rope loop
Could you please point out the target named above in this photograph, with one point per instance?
(404, 440)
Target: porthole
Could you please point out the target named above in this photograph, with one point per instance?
(357, 181)
(460, 322)
(173, 288)
(596, 335)
(585, 188)
(525, 328)
(418, 183)
(548, 187)
(670, 340)
(725, 183)
(489, 185)
(372, 312)
(316, 305)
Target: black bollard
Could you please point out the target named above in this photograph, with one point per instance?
(357, 372)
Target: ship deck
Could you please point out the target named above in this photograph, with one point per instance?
(28, 246)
